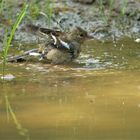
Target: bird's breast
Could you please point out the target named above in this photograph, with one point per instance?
(57, 56)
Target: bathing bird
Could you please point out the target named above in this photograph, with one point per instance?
(61, 47)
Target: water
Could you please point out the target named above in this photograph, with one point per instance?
(96, 99)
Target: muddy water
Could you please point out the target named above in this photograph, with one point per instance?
(97, 98)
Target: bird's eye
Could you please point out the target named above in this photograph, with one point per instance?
(81, 35)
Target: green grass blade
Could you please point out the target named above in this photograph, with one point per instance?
(4, 55)
(110, 6)
(7, 41)
(1, 5)
(18, 20)
(49, 10)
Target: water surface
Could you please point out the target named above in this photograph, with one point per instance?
(96, 98)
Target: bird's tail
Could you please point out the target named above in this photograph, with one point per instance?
(22, 57)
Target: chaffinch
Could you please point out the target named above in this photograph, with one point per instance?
(61, 47)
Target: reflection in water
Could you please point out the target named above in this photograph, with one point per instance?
(22, 131)
(99, 99)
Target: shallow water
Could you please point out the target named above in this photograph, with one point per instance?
(98, 97)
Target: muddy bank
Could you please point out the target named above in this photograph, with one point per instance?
(102, 20)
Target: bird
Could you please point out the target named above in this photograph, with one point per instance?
(61, 47)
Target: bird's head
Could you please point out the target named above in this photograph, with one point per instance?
(78, 34)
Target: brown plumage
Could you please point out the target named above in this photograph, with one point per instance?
(61, 47)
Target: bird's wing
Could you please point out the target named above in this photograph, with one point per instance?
(60, 43)
(65, 44)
